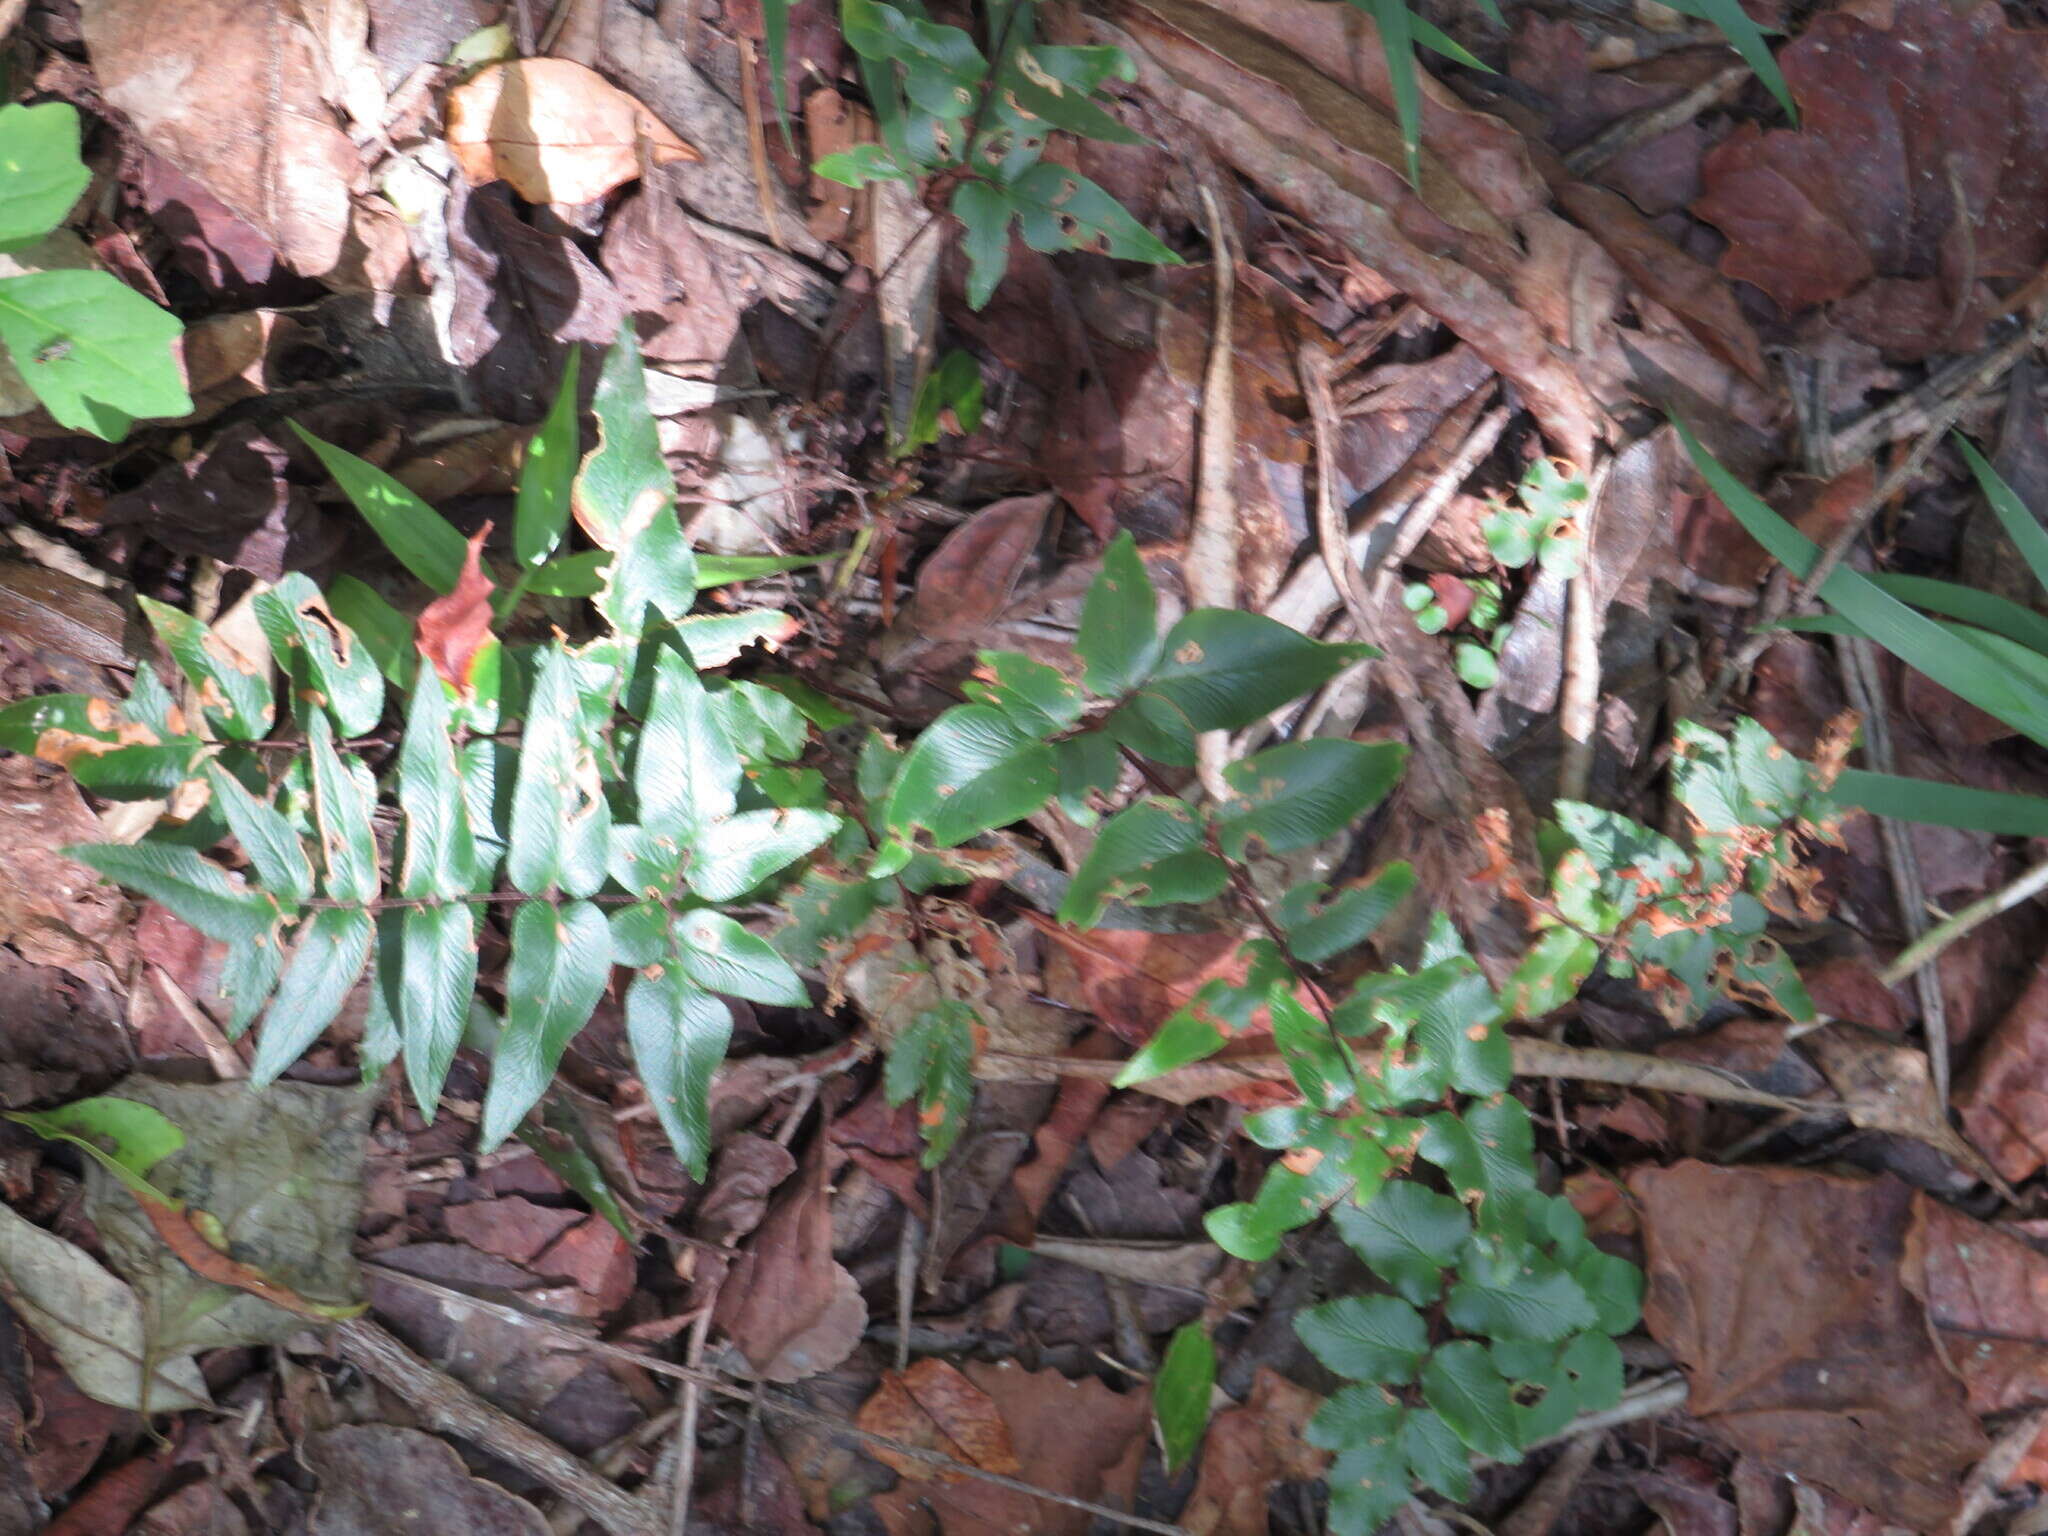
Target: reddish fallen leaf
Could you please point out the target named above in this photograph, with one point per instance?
(175, 1225)
(933, 1406)
(968, 580)
(113, 1501)
(1246, 1451)
(1987, 1295)
(1133, 981)
(1905, 109)
(512, 1228)
(2003, 1098)
(1780, 1293)
(370, 1472)
(1073, 1113)
(1686, 1495)
(789, 1306)
(554, 130)
(596, 1260)
(71, 1429)
(453, 628)
(1073, 1437)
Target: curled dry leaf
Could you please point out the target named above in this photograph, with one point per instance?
(932, 1405)
(1920, 169)
(557, 131)
(1780, 1292)
(453, 629)
(231, 94)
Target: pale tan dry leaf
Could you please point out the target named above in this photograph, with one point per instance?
(232, 95)
(555, 131)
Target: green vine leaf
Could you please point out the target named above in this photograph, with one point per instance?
(972, 770)
(561, 959)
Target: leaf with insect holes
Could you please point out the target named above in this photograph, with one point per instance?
(1149, 855)
(1061, 210)
(332, 948)
(453, 628)
(1444, 1032)
(561, 959)
(1551, 972)
(678, 1033)
(421, 539)
(1407, 1235)
(272, 846)
(1461, 1384)
(341, 808)
(323, 656)
(1119, 639)
(1365, 1338)
(1221, 668)
(93, 350)
(1180, 1393)
(233, 689)
(722, 957)
(196, 891)
(729, 858)
(1047, 84)
(942, 68)
(624, 477)
(438, 963)
(932, 1060)
(1321, 1069)
(561, 822)
(971, 770)
(1360, 1417)
(547, 479)
(1304, 792)
(41, 174)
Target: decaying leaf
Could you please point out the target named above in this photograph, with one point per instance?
(1248, 1449)
(233, 95)
(932, 1405)
(280, 1172)
(1986, 1294)
(383, 1480)
(453, 629)
(1780, 1293)
(557, 131)
(1919, 169)
(92, 1320)
(790, 1307)
(969, 578)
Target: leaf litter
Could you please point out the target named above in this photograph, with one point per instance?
(396, 223)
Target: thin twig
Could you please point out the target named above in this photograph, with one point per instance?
(1924, 949)
(685, 1475)
(1578, 700)
(1641, 127)
(1211, 563)
(1866, 694)
(772, 1403)
(1645, 1400)
(448, 1405)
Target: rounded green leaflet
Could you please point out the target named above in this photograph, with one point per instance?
(973, 770)
(1435, 1455)
(94, 351)
(1362, 1416)
(1367, 1486)
(1407, 1235)
(1365, 1338)
(1461, 1384)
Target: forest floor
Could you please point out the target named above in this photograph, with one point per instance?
(1840, 1208)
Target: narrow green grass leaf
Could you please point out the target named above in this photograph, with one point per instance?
(421, 539)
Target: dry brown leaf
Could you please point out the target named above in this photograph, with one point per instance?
(513, 1228)
(556, 131)
(1247, 1450)
(231, 94)
(789, 1306)
(968, 580)
(2003, 1098)
(1073, 1437)
(932, 1405)
(1906, 108)
(381, 1480)
(1986, 1293)
(1780, 1292)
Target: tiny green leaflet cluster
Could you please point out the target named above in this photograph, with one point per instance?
(95, 352)
(1536, 528)
(1986, 649)
(639, 798)
(942, 105)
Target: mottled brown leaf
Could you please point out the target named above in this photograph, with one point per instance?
(555, 130)
(933, 1406)
(452, 629)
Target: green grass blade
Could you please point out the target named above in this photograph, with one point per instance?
(1947, 658)
(1943, 805)
(1397, 37)
(1986, 610)
(2021, 526)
